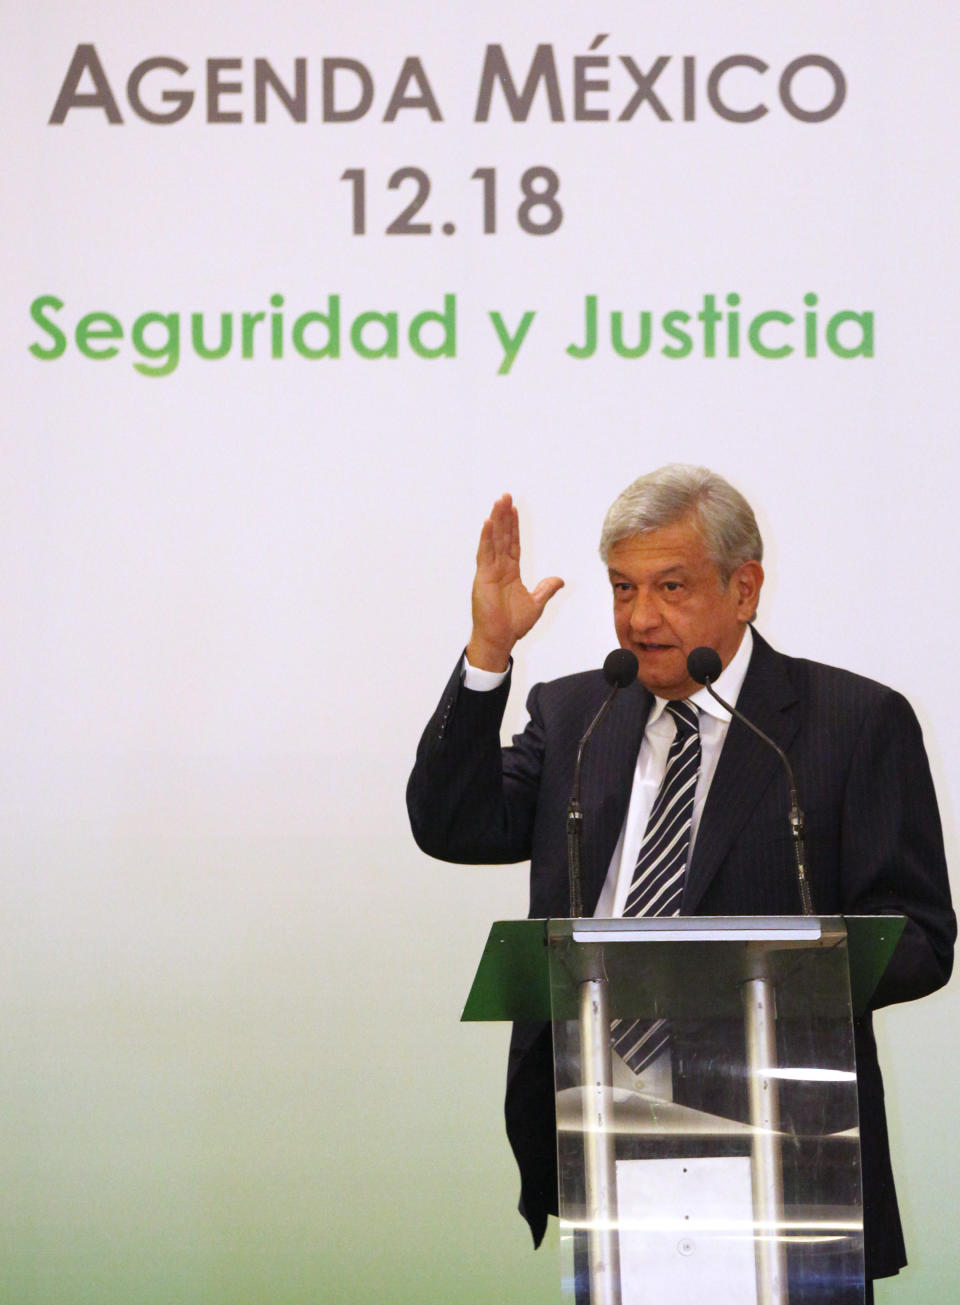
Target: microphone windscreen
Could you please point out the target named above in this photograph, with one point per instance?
(704, 664)
(620, 668)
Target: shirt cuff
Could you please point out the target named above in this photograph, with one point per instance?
(479, 680)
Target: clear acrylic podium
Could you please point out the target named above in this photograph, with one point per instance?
(728, 1172)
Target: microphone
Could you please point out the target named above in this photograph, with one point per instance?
(619, 670)
(704, 666)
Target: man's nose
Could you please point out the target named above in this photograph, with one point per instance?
(645, 615)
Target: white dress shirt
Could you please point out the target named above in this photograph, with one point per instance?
(652, 762)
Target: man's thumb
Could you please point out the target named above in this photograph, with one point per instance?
(545, 590)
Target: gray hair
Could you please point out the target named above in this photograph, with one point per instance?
(664, 497)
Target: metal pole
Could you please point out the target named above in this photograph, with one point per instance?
(598, 1131)
(766, 1160)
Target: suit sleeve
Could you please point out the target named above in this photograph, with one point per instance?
(468, 800)
(892, 850)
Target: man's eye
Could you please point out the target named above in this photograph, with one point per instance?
(672, 586)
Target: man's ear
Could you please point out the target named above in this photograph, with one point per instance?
(748, 581)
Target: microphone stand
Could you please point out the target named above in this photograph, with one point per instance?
(795, 815)
(619, 671)
(575, 814)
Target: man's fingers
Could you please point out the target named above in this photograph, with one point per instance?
(503, 520)
(500, 536)
(513, 538)
(545, 590)
(485, 546)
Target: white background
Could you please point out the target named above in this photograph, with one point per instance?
(230, 983)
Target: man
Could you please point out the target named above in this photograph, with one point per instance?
(684, 556)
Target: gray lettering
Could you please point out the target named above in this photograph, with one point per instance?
(216, 88)
(645, 82)
(713, 88)
(412, 71)
(295, 101)
(330, 69)
(182, 99)
(495, 68)
(839, 88)
(85, 59)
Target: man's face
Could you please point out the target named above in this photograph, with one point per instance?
(668, 599)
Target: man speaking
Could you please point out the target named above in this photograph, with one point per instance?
(684, 555)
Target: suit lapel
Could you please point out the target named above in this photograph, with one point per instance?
(747, 766)
(606, 784)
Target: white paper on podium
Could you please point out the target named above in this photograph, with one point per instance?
(686, 1231)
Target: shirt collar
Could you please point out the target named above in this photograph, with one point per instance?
(728, 684)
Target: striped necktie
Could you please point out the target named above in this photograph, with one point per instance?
(657, 883)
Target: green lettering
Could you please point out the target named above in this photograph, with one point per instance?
(733, 328)
(389, 347)
(331, 320)
(589, 346)
(447, 348)
(276, 328)
(685, 346)
(810, 325)
(58, 348)
(709, 317)
(168, 352)
(757, 325)
(510, 343)
(86, 333)
(247, 322)
(616, 336)
(226, 336)
(865, 347)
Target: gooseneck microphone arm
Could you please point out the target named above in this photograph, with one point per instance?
(619, 670)
(704, 666)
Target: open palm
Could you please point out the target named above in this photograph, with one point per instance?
(504, 610)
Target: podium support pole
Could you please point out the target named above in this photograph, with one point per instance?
(766, 1158)
(600, 1176)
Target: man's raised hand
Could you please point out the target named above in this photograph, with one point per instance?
(504, 610)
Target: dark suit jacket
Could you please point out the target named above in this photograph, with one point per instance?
(873, 837)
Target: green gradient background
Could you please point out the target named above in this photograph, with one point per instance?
(190, 1111)
(193, 1114)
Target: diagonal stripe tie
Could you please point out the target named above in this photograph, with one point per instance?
(657, 883)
